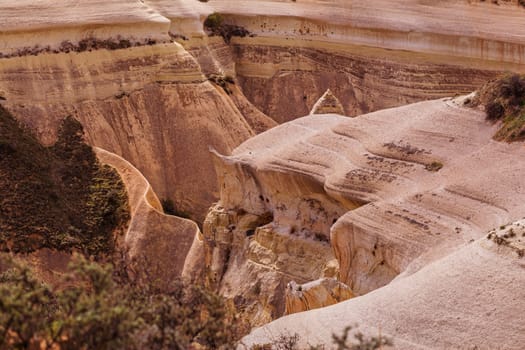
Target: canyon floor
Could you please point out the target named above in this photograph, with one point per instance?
(318, 164)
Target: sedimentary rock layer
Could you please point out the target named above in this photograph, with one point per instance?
(149, 104)
(364, 79)
(468, 299)
(370, 59)
(155, 245)
(388, 192)
(372, 55)
(37, 25)
(315, 295)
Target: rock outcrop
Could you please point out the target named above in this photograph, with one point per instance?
(155, 245)
(137, 93)
(468, 299)
(329, 202)
(48, 26)
(389, 193)
(372, 55)
(328, 104)
(250, 259)
(149, 104)
(315, 295)
(116, 68)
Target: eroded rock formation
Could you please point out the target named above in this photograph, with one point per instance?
(327, 202)
(372, 55)
(453, 302)
(115, 67)
(328, 104)
(155, 245)
(315, 295)
(137, 93)
(388, 193)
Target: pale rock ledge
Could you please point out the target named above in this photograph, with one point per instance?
(386, 194)
(155, 245)
(315, 295)
(33, 25)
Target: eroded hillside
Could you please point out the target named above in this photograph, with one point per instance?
(390, 209)
(58, 197)
(136, 73)
(402, 198)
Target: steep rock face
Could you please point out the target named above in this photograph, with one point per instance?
(388, 192)
(452, 303)
(328, 104)
(137, 93)
(250, 259)
(149, 104)
(215, 59)
(45, 25)
(370, 61)
(364, 79)
(186, 16)
(371, 55)
(155, 245)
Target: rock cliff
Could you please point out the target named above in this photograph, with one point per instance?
(338, 206)
(150, 104)
(465, 300)
(116, 68)
(315, 295)
(385, 194)
(155, 245)
(372, 55)
(137, 93)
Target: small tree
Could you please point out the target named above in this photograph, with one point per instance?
(363, 343)
(25, 307)
(92, 311)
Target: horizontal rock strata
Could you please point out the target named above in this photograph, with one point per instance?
(389, 192)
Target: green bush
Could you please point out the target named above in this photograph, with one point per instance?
(504, 101)
(342, 342)
(214, 21)
(93, 310)
(63, 198)
(434, 166)
(215, 25)
(494, 110)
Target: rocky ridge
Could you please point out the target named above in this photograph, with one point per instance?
(465, 300)
(367, 203)
(155, 245)
(389, 193)
(105, 63)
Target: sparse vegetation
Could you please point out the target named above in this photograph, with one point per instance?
(434, 166)
(223, 81)
(94, 310)
(216, 25)
(214, 21)
(504, 100)
(405, 148)
(342, 342)
(87, 44)
(506, 239)
(363, 343)
(58, 197)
